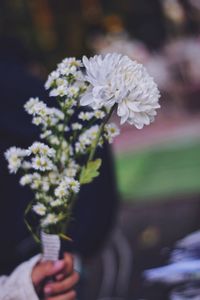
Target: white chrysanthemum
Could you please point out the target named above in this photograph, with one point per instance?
(116, 79)
(50, 219)
(111, 131)
(15, 156)
(40, 209)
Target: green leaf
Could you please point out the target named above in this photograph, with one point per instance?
(65, 237)
(90, 171)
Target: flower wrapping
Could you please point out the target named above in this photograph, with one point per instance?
(51, 246)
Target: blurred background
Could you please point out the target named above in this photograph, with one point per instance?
(158, 168)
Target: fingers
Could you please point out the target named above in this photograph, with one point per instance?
(46, 269)
(62, 286)
(68, 269)
(69, 262)
(67, 296)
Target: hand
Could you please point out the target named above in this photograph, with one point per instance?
(65, 279)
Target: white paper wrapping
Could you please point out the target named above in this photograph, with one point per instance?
(50, 246)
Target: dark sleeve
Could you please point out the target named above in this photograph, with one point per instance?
(16, 86)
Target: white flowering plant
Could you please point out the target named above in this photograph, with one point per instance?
(56, 166)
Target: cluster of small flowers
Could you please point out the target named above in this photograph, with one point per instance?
(86, 139)
(15, 157)
(60, 185)
(87, 116)
(67, 81)
(46, 205)
(42, 114)
(41, 159)
(66, 186)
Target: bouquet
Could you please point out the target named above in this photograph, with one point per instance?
(87, 93)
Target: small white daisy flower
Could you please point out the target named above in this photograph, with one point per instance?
(111, 131)
(50, 219)
(42, 163)
(40, 209)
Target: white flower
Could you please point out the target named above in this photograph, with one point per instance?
(57, 202)
(34, 106)
(69, 66)
(56, 113)
(111, 131)
(72, 169)
(86, 139)
(116, 79)
(54, 140)
(62, 190)
(45, 134)
(67, 185)
(80, 147)
(40, 209)
(77, 126)
(99, 114)
(42, 163)
(86, 116)
(36, 181)
(26, 179)
(61, 91)
(38, 148)
(73, 184)
(26, 165)
(37, 121)
(51, 79)
(49, 220)
(30, 104)
(15, 156)
(72, 91)
(70, 112)
(70, 172)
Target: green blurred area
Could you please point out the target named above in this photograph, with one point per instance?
(158, 173)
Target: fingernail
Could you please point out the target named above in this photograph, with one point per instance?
(58, 264)
(47, 290)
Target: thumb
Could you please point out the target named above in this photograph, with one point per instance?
(46, 269)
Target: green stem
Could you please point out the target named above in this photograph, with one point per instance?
(101, 128)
